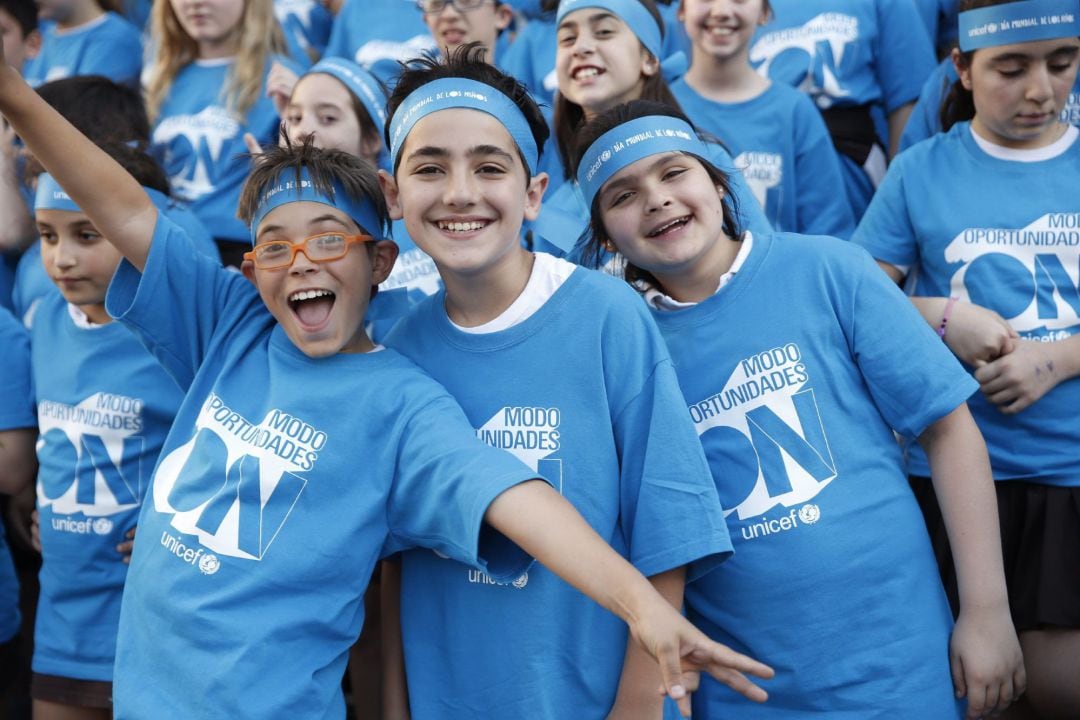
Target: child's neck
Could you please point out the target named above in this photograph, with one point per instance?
(726, 80)
(477, 299)
(95, 314)
(701, 279)
(80, 15)
(218, 49)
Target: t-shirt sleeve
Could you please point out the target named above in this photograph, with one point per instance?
(117, 56)
(925, 120)
(444, 481)
(912, 376)
(181, 301)
(751, 214)
(670, 510)
(904, 55)
(16, 391)
(886, 230)
(821, 210)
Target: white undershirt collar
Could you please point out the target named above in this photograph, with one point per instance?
(1047, 152)
(657, 300)
(548, 274)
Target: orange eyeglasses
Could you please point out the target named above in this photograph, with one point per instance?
(320, 248)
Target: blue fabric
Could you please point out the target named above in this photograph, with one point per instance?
(111, 47)
(201, 145)
(414, 274)
(531, 59)
(1013, 247)
(307, 25)
(833, 581)
(584, 393)
(16, 411)
(1018, 22)
(377, 35)
(266, 585)
(50, 196)
(104, 407)
(9, 262)
(785, 153)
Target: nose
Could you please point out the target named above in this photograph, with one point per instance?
(656, 198)
(302, 264)
(64, 257)
(583, 45)
(460, 189)
(301, 129)
(1040, 87)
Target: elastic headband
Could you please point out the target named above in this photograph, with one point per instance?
(630, 142)
(50, 196)
(449, 93)
(641, 23)
(1019, 22)
(286, 191)
(360, 83)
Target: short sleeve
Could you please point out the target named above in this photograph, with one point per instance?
(821, 209)
(16, 390)
(925, 120)
(904, 55)
(180, 301)
(886, 230)
(912, 376)
(444, 481)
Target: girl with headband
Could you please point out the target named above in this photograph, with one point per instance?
(611, 51)
(794, 355)
(992, 266)
(779, 141)
(559, 366)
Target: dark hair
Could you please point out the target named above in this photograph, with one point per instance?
(139, 165)
(569, 117)
(24, 12)
(467, 61)
(357, 177)
(592, 248)
(100, 109)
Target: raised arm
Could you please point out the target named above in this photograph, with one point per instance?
(113, 200)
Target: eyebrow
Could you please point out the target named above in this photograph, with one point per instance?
(1069, 52)
(434, 151)
(314, 221)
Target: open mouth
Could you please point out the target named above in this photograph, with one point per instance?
(312, 307)
(669, 226)
(453, 36)
(587, 72)
(720, 31)
(461, 226)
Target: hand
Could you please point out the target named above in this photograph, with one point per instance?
(127, 546)
(280, 81)
(1016, 381)
(682, 650)
(976, 334)
(987, 665)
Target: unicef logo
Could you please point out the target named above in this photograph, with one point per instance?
(809, 513)
(521, 582)
(605, 156)
(454, 93)
(992, 28)
(209, 564)
(103, 526)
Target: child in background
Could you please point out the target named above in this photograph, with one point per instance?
(379, 35)
(779, 141)
(306, 25)
(994, 260)
(862, 63)
(559, 366)
(273, 497)
(205, 90)
(85, 37)
(454, 23)
(795, 402)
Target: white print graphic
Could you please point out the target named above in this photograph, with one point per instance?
(240, 487)
(102, 436)
(206, 132)
(773, 444)
(1029, 275)
(1071, 113)
(380, 50)
(762, 171)
(822, 39)
(414, 270)
(291, 13)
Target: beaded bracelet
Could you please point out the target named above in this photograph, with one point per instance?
(945, 317)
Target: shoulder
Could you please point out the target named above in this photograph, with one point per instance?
(11, 329)
(817, 254)
(117, 28)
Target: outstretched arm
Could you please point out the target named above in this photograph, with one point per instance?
(113, 200)
(547, 527)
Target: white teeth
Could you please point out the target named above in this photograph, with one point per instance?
(722, 31)
(586, 73)
(461, 226)
(309, 295)
(667, 226)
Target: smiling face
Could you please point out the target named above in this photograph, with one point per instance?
(463, 191)
(722, 29)
(320, 306)
(78, 259)
(452, 27)
(599, 62)
(1020, 90)
(321, 106)
(213, 24)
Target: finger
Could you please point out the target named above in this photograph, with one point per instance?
(1019, 682)
(252, 144)
(671, 671)
(987, 371)
(684, 705)
(1004, 397)
(995, 385)
(691, 681)
(1005, 696)
(976, 701)
(130, 534)
(957, 668)
(1022, 403)
(993, 695)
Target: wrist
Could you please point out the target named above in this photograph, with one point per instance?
(946, 313)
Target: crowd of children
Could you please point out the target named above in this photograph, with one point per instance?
(540, 359)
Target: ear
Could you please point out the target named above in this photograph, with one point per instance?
(32, 44)
(503, 17)
(382, 260)
(247, 269)
(393, 196)
(680, 14)
(534, 195)
(649, 64)
(963, 69)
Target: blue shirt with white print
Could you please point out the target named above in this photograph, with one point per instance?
(274, 498)
(795, 374)
(784, 151)
(379, 35)
(1013, 247)
(104, 406)
(108, 45)
(307, 25)
(584, 393)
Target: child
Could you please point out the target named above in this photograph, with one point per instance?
(306, 25)
(862, 63)
(559, 366)
(777, 136)
(379, 35)
(796, 401)
(85, 37)
(994, 267)
(454, 23)
(204, 92)
(273, 498)
(104, 408)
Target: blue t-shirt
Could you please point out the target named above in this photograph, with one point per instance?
(785, 153)
(108, 45)
(16, 412)
(413, 278)
(1012, 246)
(307, 25)
(377, 35)
(283, 481)
(584, 393)
(200, 143)
(104, 407)
(795, 375)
